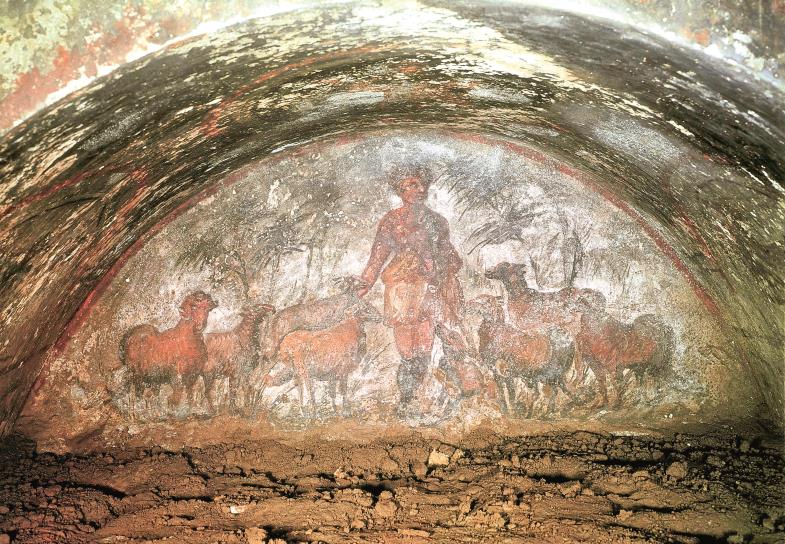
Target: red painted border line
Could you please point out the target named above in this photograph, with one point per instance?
(85, 308)
(57, 187)
(209, 126)
(653, 233)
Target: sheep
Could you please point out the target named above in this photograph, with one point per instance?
(156, 357)
(607, 346)
(231, 353)
(532, 309)
(532, 356)
(327, 355)
(307, 316)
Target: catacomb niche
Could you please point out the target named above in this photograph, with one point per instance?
(416, 279)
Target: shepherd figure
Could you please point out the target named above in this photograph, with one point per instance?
(419, 268)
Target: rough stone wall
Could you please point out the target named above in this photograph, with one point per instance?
(48, 47)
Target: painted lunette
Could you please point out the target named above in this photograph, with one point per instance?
(85, 308)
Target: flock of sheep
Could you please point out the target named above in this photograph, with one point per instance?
(323, 339)
(527, 336)
(537, 336)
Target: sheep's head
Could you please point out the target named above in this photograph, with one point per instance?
(364, 311)
(196, 306)
(259, 311)
(589, 300)
(587, 309)
(508, 273)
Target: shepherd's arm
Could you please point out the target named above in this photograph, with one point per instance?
(380, 252)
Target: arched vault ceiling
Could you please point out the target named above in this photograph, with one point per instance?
(696, 153)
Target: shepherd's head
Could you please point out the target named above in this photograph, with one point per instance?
(411, 182)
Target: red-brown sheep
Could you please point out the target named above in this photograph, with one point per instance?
(307, 316)
(530, 309)
(512, 354)
(608, 346)
(329, 355)
(156, 357)
(231, 355)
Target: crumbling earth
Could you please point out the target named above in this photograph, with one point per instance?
(558, 487)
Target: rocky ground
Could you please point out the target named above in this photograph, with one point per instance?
(558, 487)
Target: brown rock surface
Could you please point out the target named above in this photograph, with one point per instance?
(565, 488)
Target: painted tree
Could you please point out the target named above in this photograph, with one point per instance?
(509, 217)
(245, 238)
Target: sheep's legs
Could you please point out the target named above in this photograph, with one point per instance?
(573, 397)
(176, 396)
(532, 399)
(301, 391)
(189, 393)
(346, 407)
(312, 395)
(552, 392)
(333, 394)
(249, 401)
(602, 385)
(146, 394)
(620, 386)
(504, 395)
(209, 393)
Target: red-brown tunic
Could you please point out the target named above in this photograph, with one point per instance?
(420, 280)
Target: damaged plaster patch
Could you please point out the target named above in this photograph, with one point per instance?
(353, 99)
(499, 95)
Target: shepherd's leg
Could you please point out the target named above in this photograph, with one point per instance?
(414, 343)
(132, 401)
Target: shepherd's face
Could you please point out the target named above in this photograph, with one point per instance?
(412, 190)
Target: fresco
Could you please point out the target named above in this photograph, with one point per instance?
(416, 279)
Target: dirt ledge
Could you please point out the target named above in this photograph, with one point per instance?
(557, 487)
